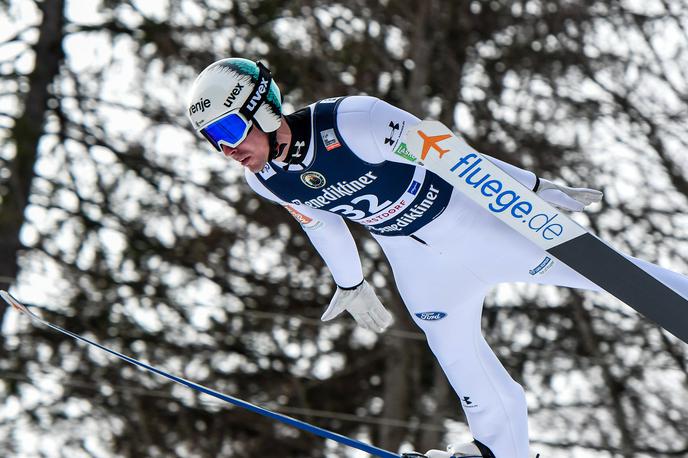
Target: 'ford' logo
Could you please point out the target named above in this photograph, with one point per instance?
(431, 316)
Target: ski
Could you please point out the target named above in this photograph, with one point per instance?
(375, 451)
(432, 145)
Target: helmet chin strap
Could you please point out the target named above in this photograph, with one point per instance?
(257, 98)
(254, 102)
(273, 146)
(276, 149)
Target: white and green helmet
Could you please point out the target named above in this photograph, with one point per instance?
(235, 85)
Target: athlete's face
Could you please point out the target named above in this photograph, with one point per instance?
(252, 152)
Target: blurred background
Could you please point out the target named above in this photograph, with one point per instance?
(119, 223)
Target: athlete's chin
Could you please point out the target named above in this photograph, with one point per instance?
(255, 166)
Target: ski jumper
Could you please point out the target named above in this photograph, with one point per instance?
(445, 251)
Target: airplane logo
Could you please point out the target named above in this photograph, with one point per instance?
(432, 142)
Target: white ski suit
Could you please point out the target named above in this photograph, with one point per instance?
(443, 271)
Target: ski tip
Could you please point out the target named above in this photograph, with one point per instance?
(7, 297)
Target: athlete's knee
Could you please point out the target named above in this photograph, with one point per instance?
(453, 349)
(451, 338)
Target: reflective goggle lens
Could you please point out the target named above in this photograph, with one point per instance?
(230, 130)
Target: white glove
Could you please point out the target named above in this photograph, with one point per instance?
(362, 303)
(563, 197)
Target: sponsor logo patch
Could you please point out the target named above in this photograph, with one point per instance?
(543, 267)
(403, 151)
(330, 139)
(468, 403)
(267, 172)
(233, 95)
(395, 133)
(431, 142)
(199, 106)
(503, 199)
(417, 211)
(413, 189)
(431, 316)
(298, 145)
(500, 194)
(304, 220)
(336, 191)
(313, 180)
(260, 90)
(298, 216)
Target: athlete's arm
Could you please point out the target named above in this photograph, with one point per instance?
(383, 118)
(387, 123)
(332, 239)
(327, 232)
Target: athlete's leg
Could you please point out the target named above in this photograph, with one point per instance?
(452, 276)
(499, 254)
(431, 281)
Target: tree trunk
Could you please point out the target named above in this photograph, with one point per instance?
(26, 134)
(401, 373)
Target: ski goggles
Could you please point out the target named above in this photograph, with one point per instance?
(230, 130)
